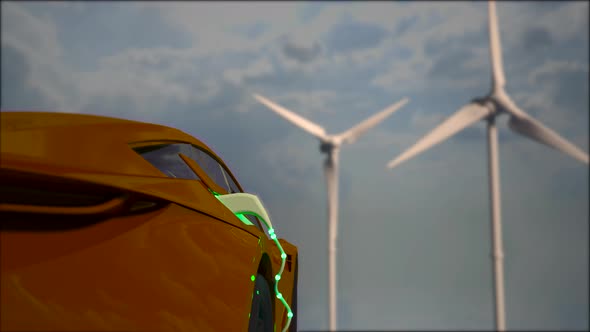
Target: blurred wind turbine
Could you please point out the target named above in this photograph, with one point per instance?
(488, 107)
(330, 145)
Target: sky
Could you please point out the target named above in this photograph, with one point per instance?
(414, 242)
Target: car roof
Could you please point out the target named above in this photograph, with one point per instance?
(85, 141)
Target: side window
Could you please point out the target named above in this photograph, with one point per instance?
(255, 221)
(214, 170)
(165, 158)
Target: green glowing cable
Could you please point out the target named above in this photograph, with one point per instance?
(279, 296)
(272, 234)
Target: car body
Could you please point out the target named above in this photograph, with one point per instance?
(107, 225)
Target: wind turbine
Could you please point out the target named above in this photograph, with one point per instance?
(488, 107)
(330, 145)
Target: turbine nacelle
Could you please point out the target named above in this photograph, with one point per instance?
(328, 144)
(326, 147)
(488, 102)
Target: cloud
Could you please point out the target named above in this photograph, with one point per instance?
(547, 72)
(536, 38)
(133, 76)
(311, 10)
(437, 36)
(253, 30)
(518, 33)
(559, 91)
(266, 22)
(450, 67)
(35, 40)
(17, 92)
(291, 163)
(34, 36)
(302, 53)
(349, 36)
(258, 68)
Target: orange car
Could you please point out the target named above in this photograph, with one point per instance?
(111, 224)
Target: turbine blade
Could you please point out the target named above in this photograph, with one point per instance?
(301, 122)
(535, 130)
(526, 125)
(463, 118)
(355, 132)
(498, 78)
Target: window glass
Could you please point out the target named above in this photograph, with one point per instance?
(255, 221)
(165, 158)
(214, 170)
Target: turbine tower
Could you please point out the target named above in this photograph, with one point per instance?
(330, 145)
(489, 107)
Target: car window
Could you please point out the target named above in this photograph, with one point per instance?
(214, 170)
(165, 158)
(255, 221)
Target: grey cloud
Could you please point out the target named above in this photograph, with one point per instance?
(253, 31)
(572, 91)
(301, 53)
(470, 39)
(114, 106)
(102, 28)
(450, 64)
(311, 10)
(405, 24)
(568, 185)
(281, 79)
(21, 28)
(455, 62)
(537, 38)
(17, 93)
(350, 36)
(541, 7)
(566, 85)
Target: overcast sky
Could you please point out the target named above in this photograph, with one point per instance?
(414, 242)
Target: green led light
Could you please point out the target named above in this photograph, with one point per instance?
(271, 233)
(244, 219)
